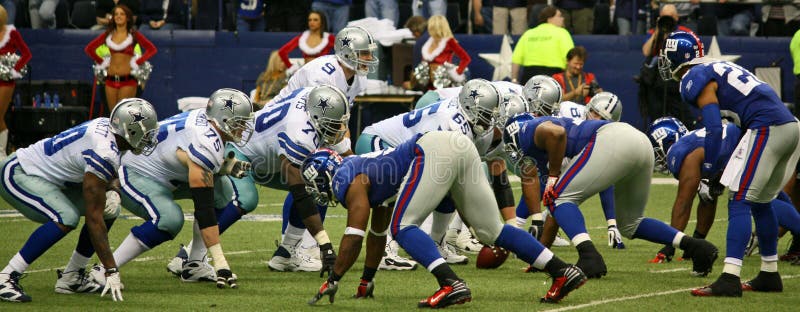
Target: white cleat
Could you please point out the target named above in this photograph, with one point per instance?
(175, 266)
(76, 282)
(450, 256)
(198, 271)
(463, 241)
(289, 258)
(392, 261)
(560, 242)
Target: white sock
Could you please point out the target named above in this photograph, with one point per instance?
(440, 224)
(17, 264)
(769, 263)
(521, 222)
(292, 235)
(612, 222)
(732, 266)
(456, 224)
(308, 241)
(130, 248)
(197, 249)
(76, 262)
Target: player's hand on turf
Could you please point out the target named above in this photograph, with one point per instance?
(328, 288)
(365, 289)
(328, 259)
(664, 255)
(537, 226)
(226, 277)
(113, 286)
(550, 195)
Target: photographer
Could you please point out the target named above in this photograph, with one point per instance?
(667, 22)
(576, 85)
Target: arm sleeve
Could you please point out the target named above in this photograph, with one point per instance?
(463, 57)
(93, 45)
(713, 140)
(25, 53)
(286, 48)
(293, 148)
(149, 48)
(692, 84)
(103, 165)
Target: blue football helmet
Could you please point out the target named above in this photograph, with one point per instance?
(511, 139)
(317, 171)
(663, 133)
(680, 49)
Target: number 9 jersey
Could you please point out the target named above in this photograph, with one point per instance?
(324, 70)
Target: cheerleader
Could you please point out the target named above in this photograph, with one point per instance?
(10, 42)
(313, 42)
(121, 37)
(440, 48)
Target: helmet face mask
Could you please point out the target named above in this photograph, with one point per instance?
(511, 139)
(355, 49)
(232, 112)
(512, 105)
(543, 94)
(479, 100)
(329, 112)
(680, 49)
(606, 105)
(317, 173)
(135, 120)
(663, 133)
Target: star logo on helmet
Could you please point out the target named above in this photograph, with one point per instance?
(346, 41)
(229, 105)
(474, 94)
(137, 117)
(323, 104)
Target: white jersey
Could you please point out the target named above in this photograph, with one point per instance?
(324, 70)
(507, 87)
(571, 110)
(448, 93)
(190, 132)
(68, 156)
(444, 115)
(282, 128)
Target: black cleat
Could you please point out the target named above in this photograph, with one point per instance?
(727, 285)
(765, 282)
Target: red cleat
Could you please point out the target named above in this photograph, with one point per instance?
(455, 292)
(571, 278)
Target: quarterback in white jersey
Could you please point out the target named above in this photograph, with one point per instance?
(189, 154)
(57, 180)
(571, 110)
(325, 70)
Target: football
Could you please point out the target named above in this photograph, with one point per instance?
(491, 257)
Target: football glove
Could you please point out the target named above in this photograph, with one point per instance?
(113, 204)
(234, 167)
(709, 190)
(328, 288)
(615, 238)
(328, 259)
(365, 289)
(664, 255)
(550, 195)
(537, 226)
(225, 276)
(113, 287)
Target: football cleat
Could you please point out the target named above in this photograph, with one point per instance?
(287, 259)
(568, 279)
(615, 238)
(592, 264)
(392, 261)
(703, 255)
(463, 241)
(664, 255)
(727, 285)
(11, 290)
(752, 245)
(560, 241)
(226, 277)
(365, 289)
(764, 282)
(450, 256)
(328, 288)
(455, 292)
(793, 253)
(175, 266)
(198, 271)
(75, 282)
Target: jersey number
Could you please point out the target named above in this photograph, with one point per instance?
(461, 120)
(739, 78)
(328, 68)
(412, 118)
(176, 123)
(268, 119)
(56, 143)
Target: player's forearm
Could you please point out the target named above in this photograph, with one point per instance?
(98, 233)
(680, 215)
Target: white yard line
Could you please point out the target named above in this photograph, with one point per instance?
(627, 298)
(668, 270)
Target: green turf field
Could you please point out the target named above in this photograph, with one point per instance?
(632, 284)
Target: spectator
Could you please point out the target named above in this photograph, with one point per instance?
(337, 12)
(43, 13)
(11, 10)
(251, 16)
(482, 16)
(105, 8)
(313, 42)
(780, 20)
(287, 15)
(271, 81)
(428, 8)
(417, 25)
(576, 85)
(381, 9)
(518, 11)
(733, 19)
(441, 47)
(625, 17)
(542, 50)
(121, 37)
(688, 13)
(664, 27)
(11, 43)
(578, 15)
(163, 14)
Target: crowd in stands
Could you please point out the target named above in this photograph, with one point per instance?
(581, 17)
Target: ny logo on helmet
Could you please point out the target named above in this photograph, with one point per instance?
(310, 173)
(137, 117)
(512, 129)
(671, 45)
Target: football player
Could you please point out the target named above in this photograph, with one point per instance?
(602, 154)
(769, 151)
(57, 180)
(420, 173)
(189, 155)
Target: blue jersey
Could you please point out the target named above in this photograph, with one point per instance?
(385, 170)
(694, 140)
(579, 133)
(738, 91)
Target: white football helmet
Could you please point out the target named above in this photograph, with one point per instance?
(135, 120)
(329, 112)
(512, 105)
(543, 94)
(355, 49)
(479, 100)
(606, 105)
(231, 111)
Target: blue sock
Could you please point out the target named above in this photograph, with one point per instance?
(787, 215)
(607, 201)
(323, 210)
(418, 245)
(40, 241)
(520, 243)
(150, 235)
(570, 219)
(228, 216)
(739, 228)
(287, 211)
(85, 247)
(655, 231)
(522, 209)
(766, 228)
